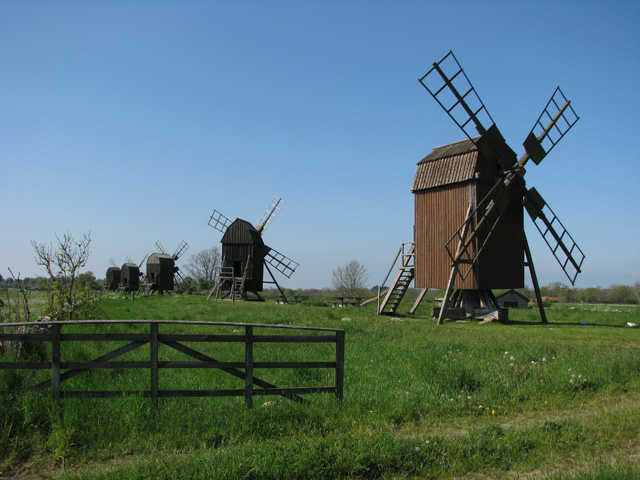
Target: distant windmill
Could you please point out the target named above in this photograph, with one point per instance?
(162, 272)
(130, 275)
(244, 255)
(469, 233)
(112, 279)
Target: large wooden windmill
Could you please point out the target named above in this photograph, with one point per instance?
(245, 256)
(469, 233)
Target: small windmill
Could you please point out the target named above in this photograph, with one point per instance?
(112, 279)
(244, 255)
(130, 275)
(469, 233)
(162, 271)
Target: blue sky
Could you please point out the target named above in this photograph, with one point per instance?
(135, 119)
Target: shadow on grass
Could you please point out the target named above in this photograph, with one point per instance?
(554, 324)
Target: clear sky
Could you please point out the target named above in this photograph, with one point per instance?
(133, 120)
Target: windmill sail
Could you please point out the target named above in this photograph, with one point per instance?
(561, 117)
(160, 248)
(219, 221)
(451, 88)
(183, 247)
(565, 250)
(270, 214)
(280, 262)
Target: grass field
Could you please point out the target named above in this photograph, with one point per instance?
(461, 400)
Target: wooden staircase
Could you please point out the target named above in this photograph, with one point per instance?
(404, 276)
(145, 287)
(237, 284)
(225, 274)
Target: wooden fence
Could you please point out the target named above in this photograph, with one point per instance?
(53, 332)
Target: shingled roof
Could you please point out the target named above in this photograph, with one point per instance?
(447, 164)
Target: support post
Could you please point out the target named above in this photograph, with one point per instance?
(55, 361)
(447, 294)
(418, 301)
(153, 343)
(248, 366)
(534, 280)
(454, 269)
(339, 364)
(286, 300)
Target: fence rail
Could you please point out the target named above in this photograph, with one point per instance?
(52, 332)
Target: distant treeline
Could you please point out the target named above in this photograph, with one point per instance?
(559, 292)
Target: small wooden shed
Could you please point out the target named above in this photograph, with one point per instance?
(244, 250)
(512, 299)
(130, 277)
(160, 271)
(448, 182)
(112, 278)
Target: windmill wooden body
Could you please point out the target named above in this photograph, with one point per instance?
(162, 272)
(245, 255)
(130, 275)
(112, 278)
(469, 234)
(447, 182)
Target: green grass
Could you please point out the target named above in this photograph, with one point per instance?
(461, 400)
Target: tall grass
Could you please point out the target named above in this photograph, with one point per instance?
(421, 401)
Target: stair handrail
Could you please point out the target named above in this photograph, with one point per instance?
(392, 265)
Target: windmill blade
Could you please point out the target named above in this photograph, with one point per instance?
(160, 248)
(560, 242)
(451, 88)
(544, 136)
(113, 263)
(145, 257)
(179, 279)
(128, 259)
(183, 247)
(270, 214)
(280, 262)
(219, 221)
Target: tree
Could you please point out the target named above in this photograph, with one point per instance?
(636, 290)
(203, 266)
(63, 263)
(350, 280)
(589, 295)
(621, 294)
(88, 280)
(25, 298)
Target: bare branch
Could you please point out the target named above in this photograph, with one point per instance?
(25, 296)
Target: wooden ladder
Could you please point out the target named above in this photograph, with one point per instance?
(402, 280)
(224, 274)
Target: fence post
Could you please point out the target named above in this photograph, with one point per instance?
(153, 343)
(248, 366)
(339, 364)
(55, 361)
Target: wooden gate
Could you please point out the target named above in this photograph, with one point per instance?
(249, 334)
